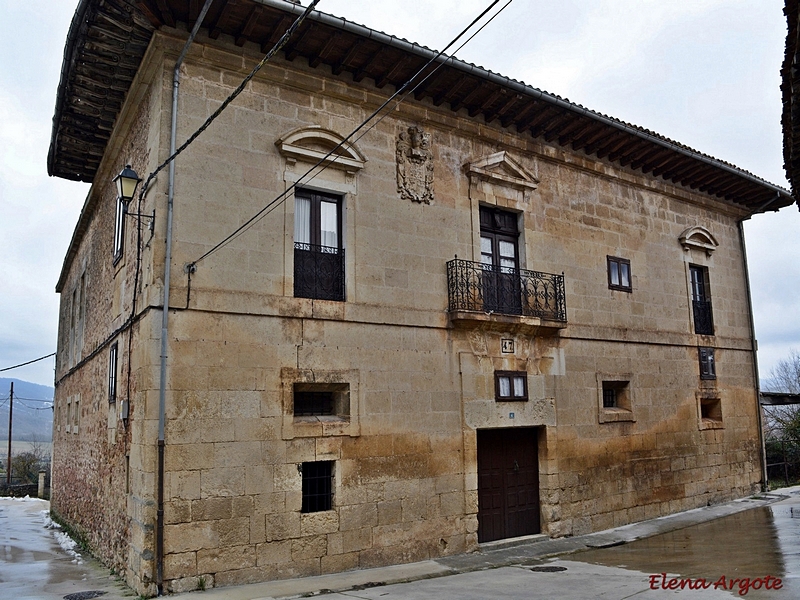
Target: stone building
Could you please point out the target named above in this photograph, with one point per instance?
(495, 313)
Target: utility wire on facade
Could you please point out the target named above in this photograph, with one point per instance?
(402, 90)
(282, 198)
(133, 317)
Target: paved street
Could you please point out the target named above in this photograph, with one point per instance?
(736, 550)
(34, 566)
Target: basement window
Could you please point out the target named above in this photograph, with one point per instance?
(710, 409)
(614, 398)
(321, 400)
(317, 486)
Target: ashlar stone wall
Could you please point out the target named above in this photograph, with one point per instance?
(420, 384)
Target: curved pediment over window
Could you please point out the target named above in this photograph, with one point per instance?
(699, 238)
(501, 168)
(312, 144)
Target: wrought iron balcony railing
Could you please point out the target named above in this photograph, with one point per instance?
(703, 317)
(318, 272)
(473, 286)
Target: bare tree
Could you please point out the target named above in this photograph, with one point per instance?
(783, 422)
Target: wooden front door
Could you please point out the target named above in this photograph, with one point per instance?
(508, 483)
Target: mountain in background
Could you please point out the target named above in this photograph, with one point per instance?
(33, 415)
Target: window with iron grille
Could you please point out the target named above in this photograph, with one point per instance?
(619, 274)
(112, 373)
(317, 486)
(318, 248)
(609, 398)
(701, 300)
(616, 394)
(708, 368)
(510, 385)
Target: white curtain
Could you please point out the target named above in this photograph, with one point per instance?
(329, 224)
(302, 220)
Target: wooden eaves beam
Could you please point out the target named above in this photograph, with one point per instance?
(345, 61)
(249, 26)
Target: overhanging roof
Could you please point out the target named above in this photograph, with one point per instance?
(108, 38)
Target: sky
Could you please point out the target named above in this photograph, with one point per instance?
(705, 73)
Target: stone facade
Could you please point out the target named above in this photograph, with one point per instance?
(420, 380)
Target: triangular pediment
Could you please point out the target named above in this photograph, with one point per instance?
(501, 168)
(699, 238)
(312, 144)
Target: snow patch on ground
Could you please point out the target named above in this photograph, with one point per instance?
(66, 542)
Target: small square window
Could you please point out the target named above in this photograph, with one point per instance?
(707, 367)
(321, 399)
(317, 486)
(710, 409)
(615, 398)
(510, 386)
(619, 274)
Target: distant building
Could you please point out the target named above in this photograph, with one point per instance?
(497, 313)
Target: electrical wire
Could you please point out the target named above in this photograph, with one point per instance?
(282, 196)
(280, 200)
(278, 45)
(133, 317)
(32, 399)
(28, 363)
(28, 406)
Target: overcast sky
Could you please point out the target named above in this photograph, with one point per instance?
(705, 73)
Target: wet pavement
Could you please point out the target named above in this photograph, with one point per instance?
(756, 547)
(740, 549)
(34, 566)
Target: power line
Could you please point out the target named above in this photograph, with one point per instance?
(28, 363)
(278, 201)
(35, 407)
(280, 44)
(31, 399)
(283, 195)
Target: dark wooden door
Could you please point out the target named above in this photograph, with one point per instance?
(508, 483)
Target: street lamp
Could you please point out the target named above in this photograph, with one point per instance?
(127, 181)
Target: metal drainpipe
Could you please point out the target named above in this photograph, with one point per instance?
(176, 74)
(754, 346)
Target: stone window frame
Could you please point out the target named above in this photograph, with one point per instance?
(621, 383)
(301, 149)
(709, 410)
(326, 425)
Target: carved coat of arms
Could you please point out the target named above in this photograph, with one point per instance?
(415, 165)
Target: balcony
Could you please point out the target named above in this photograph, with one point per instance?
(703, 317)
(318, 272)
(478, 292)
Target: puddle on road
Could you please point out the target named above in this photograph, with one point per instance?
(754, 543)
